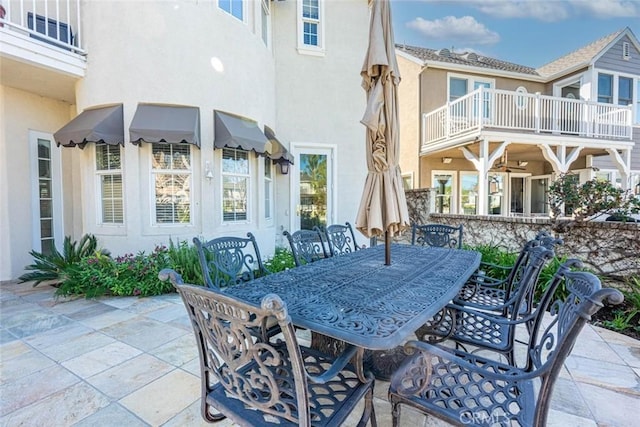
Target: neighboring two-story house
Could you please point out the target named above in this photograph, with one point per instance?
(145, 121)
(491, 135)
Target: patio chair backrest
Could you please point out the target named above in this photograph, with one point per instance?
(558, 322)
(341, 239)
(306, 245)
(437, 235)
(513, 279)
(255, 380)
(238, 367)
(227, 261)
(459, 386)
(525, 280)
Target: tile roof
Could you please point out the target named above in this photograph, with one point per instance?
(469, 59)
(580, 56)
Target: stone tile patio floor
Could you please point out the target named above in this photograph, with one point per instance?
(133, 362)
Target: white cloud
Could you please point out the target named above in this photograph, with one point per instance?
(608, 8)
(457, 30)
(544, 10)
(554, 10)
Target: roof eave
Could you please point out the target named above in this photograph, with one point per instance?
(481, 70)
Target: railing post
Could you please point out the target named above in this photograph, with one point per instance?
(536, 112)
(447, 120)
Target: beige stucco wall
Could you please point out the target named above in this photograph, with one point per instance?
(21, 112)
(193, 53)
(320, 100)
(150, 60)
(409, 116)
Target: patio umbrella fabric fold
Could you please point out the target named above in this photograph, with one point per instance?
(383, 207)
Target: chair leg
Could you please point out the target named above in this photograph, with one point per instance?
(395, 413)
(369, 412)
(211, 416)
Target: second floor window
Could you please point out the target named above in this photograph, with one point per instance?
(310, 16)
(109, 175)
(457, 88)
(625, 91)
(605, 88)
(232, 7)
(171, 177)
(235, 184)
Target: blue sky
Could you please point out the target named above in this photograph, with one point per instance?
(526, 32)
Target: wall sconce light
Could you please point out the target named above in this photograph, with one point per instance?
(522, 163)
(446, 160)
(207, 171)
(284, 167)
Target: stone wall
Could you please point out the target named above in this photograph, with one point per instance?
(607, 248)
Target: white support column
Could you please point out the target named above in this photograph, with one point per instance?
(623, 164)
(482, 164)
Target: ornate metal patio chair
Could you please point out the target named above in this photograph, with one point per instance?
(341, 239)
(439, 235)
(255, 381)
(489, 331)
(466, 389)
(227, 261)
(306, 245)
(484, 292)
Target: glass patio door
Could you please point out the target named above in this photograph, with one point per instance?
(46, 194)
(312, 184)
(539, 200)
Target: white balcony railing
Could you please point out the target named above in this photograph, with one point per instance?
(515, 111)
(55, 22)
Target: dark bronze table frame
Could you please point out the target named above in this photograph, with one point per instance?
(358, 299)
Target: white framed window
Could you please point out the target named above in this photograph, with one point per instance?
(236, 176)
(468, 193)
(310, 27)
(496, 197)
(605, 88)
(521, 99)
(625, 91)
(460, 85)
(620, 89)
(109, 183)
(233, 7)
(268, 188)
(407, 180)
(445, 183)
(171, 174)
(265, 11)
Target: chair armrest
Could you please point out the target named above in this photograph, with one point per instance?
(492, 317)
(487, 368)
(171, 275)
(338, 365)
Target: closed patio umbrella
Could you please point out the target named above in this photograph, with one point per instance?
(383, 207)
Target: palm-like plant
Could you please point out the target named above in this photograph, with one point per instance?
(51, 267)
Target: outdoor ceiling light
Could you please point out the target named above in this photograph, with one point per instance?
(446, 160)
(522, 163)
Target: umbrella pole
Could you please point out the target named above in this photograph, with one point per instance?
(387, 248)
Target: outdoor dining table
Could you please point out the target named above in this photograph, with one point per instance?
(358, 299)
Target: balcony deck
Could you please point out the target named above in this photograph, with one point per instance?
(489, 110)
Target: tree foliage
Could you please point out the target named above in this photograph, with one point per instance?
(589, 200)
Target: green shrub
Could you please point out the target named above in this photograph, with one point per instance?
(282, 260)
(183, 258)
(127, 275)
(495, 255)
(53, 267)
